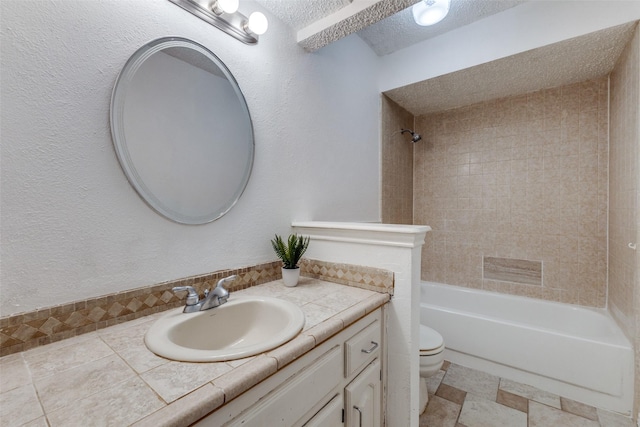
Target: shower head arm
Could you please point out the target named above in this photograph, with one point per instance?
(414, 136)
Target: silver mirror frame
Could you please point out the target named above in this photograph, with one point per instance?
(120, 140)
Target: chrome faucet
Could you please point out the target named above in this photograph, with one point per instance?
(215, 298)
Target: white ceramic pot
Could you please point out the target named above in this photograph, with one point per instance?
(290, 276)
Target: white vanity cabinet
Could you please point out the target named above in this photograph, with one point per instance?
(363, 398)
(338, 383)
(330, 415)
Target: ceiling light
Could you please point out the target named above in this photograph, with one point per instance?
(429, 12)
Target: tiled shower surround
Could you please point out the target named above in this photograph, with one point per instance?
(624, 285)
(397, 170)
(525, 178)
(518, 178)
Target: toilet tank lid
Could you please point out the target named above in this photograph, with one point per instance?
(430, 339)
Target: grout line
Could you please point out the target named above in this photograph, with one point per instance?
(527, 413)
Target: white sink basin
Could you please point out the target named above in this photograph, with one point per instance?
(243, 327)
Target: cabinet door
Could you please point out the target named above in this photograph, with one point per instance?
(330, 415)
(297, 396)
(362, 398)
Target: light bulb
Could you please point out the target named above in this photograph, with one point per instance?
(258, 23)
(227, 6)
(429, 12)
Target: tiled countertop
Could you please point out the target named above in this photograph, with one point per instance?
(109, 377)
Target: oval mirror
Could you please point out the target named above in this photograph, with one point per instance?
(182, 131)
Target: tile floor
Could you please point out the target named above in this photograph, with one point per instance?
(464, 397)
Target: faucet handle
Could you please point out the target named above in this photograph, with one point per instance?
(225, 280)
(192, 296)
(220, 292)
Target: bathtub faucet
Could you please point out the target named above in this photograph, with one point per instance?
(215, 298)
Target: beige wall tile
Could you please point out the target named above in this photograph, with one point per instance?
(523, 177)
(397, 165)
(624, 166)
(624, 281)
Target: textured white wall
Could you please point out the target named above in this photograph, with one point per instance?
(71, 225)
(527, 26)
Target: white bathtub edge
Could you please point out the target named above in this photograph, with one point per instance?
(594, 369)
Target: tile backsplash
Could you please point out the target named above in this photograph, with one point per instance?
(24, 331)
(372, 279)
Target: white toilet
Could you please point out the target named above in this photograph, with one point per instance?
(431, 359)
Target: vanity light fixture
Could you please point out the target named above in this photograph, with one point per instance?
(224, 15)
(429, 12)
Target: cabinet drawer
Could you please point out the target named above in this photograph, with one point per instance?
(290, 401)
(362, 348)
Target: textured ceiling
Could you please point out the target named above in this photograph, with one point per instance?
(570, 61)
(386, 26)
(399, 31)
(356, 18)
(298, 14)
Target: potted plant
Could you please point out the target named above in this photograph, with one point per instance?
(290, 253)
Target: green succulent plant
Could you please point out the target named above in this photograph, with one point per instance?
(291, 251)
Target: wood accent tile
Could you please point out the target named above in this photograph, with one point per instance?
(513, 401)
(579, 409)
(440, 412)
(544, 416)
(513, 270)
(452, 394)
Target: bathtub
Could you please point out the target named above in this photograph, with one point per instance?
(576, 352)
